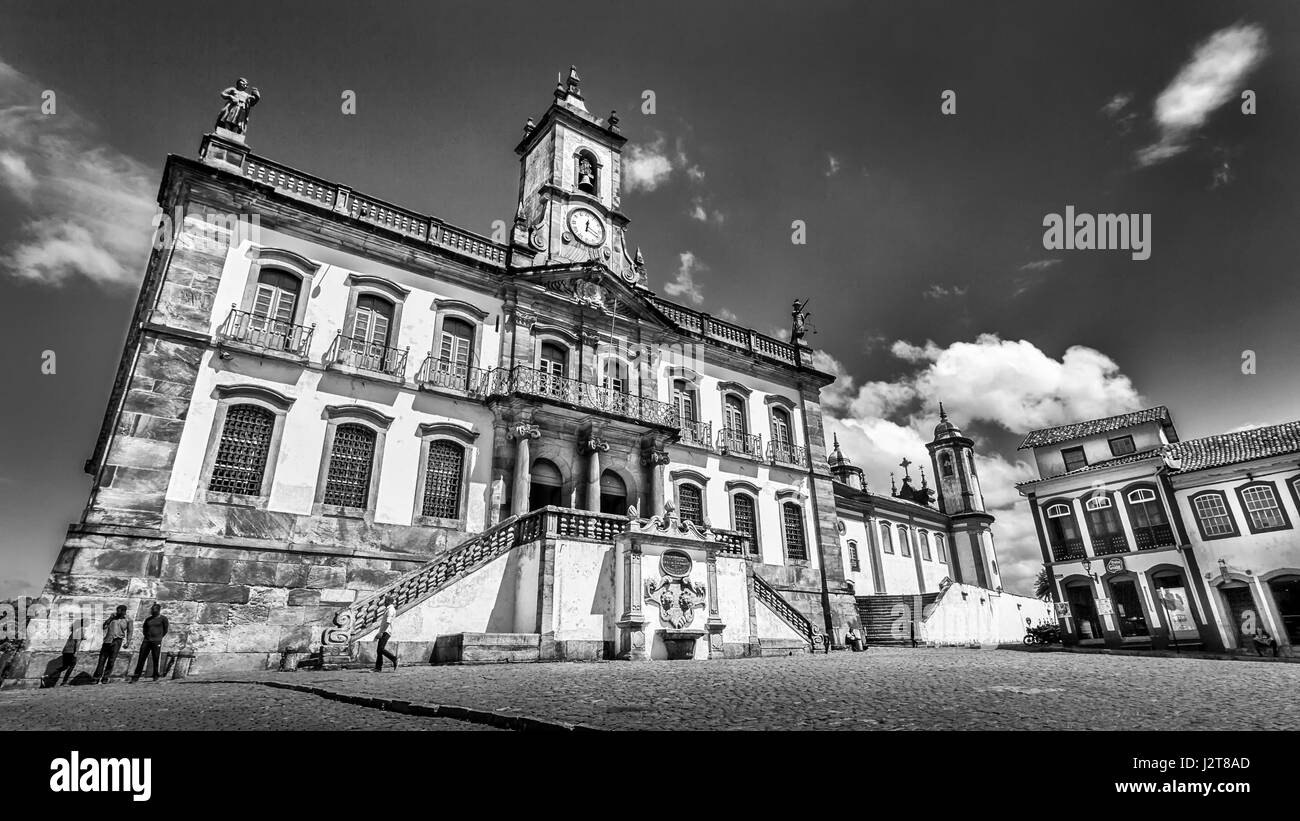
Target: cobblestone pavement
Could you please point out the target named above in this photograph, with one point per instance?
(185, 706)
(883, 688)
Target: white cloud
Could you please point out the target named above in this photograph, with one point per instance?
(700, 212)
(832, 165)
(728, 315)
(936, 291)
(1116, 104)
(1010, 384)
(1030, 275)
(1209, 79)
(88, 206)
(695, 173)
(684, 284)
(646, 167)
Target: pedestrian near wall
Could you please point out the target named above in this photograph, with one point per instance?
(385, 626)
(117, 634)
(68, 662)
(153, 628)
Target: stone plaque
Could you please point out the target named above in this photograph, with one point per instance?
(675, 563)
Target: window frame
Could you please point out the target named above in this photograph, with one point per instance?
(923, 542)
(335, 416)
(228, 396)
(794, 504)
(1277, 503)
(1073, 450)
(429, 433)
(940, 548)
(1227, 513)
(360, 285)
(887, 538)
(855, 561)
(472, 315)
(1127, 437)
(696, 487)
(560, 343)
(1070, 515)
(287, 262)
(741, 487)
(904, 541)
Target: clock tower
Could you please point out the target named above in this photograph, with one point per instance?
(570, 170)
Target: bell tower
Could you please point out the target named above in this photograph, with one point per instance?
(570, 178)
(974, 556)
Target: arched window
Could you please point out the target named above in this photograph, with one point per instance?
(781, 438)
(886, 537)
(940, 550)
(1104, 525)
(1147, 517)
(554, 359)
(545, 484)
(924, 539)
(1063, 532)
(443, 473)
(241, 459)
(273, 313)
(904, 541)
(734, 416)
(792, 519)
(613, 493)
(945, 464)
(855, 563)
(1213, 516)
(744, 518)
(1263, 509)
(456, 348)
(368, 347)
(347, 482)
(690, 503)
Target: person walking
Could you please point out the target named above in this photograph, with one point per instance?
(385, 626)
(68, 662)
(153, 628)
(117, 634)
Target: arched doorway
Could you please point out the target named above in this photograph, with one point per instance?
(1286, 594)
(1244, 615)
(1083, 608)
(545, 484)
(613, 493)
(1174, 601)
(1130, 618)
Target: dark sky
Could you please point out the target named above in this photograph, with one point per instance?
(921, 227)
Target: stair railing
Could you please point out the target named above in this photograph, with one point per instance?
(785, 611)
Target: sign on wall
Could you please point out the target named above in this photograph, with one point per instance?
(1062, 609)
(1105, 608)
(676, 564)
(1174, 601)
(1115, 564)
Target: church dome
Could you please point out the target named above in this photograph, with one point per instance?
(945, 429)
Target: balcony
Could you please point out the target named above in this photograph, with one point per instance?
(265, 334)
(367, 356)
(439, 373)
(1106, 545)
(1067, 550)
(699, 434)
(784, 453)
(737, 443)
(1149, 538)
(526, 381)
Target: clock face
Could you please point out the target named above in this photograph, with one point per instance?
(586, 226)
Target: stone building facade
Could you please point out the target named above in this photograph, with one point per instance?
(324, 395)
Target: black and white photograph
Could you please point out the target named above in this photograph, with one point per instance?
(537, 370)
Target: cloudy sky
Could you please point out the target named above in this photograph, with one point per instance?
(925, 258)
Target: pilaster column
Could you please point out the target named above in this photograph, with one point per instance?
(654, 459)
(714, 625)
(522, 433)
(594, 446)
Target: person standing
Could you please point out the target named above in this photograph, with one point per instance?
(385, 626)
(153, 628)
(68, 662)
(117, 634)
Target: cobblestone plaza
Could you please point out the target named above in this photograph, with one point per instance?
(883, 688)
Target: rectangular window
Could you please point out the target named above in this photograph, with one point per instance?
(940, 549)
(1121, 445)
(904, 542)
(442, 477)
(1262, 508)
(242, 453)
(854, 563)
(886, 539)
(347, 482)
(743, 519)
(1074, 458)
(795, 548)
(1213, 515)
(690, 502)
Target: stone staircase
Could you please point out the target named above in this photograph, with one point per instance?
(768, 596)
(893, 620)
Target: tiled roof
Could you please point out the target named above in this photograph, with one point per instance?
(1232, 448)
(1149, 453)
(1078, 430)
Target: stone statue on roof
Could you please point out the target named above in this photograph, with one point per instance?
(240, 99)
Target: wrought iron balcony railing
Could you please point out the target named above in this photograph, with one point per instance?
(266, 333)
(1067, 550)
(696, 433)
(368, 356)
(737, 443)
(533, 382)
(440, 373)
(787, 454)
(1148, 538)
(1106, 545)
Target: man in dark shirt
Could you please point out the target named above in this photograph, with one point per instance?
(117, 632)
(154, 628)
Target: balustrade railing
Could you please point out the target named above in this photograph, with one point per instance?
(440, 373)
(725, 332)
(368, 356)
(737, 443)
(1067, 550)
(787, 454)
(266, 333)
(1106, 545)
(1155, 536)
(537, 383)
(696, 433)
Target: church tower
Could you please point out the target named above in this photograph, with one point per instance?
(570, 178)
(953, 457)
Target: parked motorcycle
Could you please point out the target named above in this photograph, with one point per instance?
(1043, 634)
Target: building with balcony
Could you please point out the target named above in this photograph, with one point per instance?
(356, 398)
(1153, 541)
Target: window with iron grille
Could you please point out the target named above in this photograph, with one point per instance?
(240, 464)
(690, 503)
(1260, 502)
(347, 483)
(443, 471)
(795, 548)
(744, 519)
(854, 563)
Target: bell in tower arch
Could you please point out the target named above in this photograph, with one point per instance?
(586, 175)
